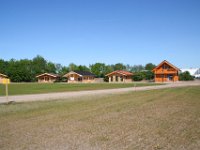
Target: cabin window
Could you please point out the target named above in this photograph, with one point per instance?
(121, 78)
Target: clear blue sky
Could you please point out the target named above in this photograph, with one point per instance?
(109, 31)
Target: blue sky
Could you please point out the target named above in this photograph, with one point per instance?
(109, 31)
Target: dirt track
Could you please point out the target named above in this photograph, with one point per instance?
(69, 95)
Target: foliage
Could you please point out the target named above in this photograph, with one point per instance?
(149, 66)
(25, 70)
(139, 76)
(185, 76)
(149, 75)
(99, 69)
(136, 68)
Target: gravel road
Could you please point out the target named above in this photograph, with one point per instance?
(69, 95)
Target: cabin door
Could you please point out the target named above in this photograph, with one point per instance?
(170, 77)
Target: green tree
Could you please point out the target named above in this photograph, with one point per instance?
(3, 66)
(20, 71)
(149, 66)
(50, 67)
(38, 65)
(148, 75)
(99, 69)
(83, 68)
(119, 66)
(72, 67)
(139, 76)
(185, 76)
(137, 68)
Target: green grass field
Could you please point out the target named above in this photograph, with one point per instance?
(35, 88)
(156, 119)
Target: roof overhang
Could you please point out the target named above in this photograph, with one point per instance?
(48, 74)
(3, 75)
(72, 72)
(118, 72)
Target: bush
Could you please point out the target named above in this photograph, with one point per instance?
(185, 76)
(149, 75)
(138, 76)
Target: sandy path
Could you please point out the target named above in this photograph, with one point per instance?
(75, 94)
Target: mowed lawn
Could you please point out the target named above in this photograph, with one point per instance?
(157, 119)
(35, 88)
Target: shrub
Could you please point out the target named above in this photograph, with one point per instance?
(138, 76)
(185, 76)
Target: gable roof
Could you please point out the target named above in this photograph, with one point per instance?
(165, 61)
(80, 73)
(122, 72)
(48, 74)
(3, 75)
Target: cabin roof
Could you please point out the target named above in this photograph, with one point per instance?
(80, 73)
(122, 72)
(3, 75)
(165, 61)
(48, 74)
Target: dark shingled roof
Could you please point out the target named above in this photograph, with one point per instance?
(84, 73)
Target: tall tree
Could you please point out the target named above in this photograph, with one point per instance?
(39, 65)
(50, 67)
(72, 67)
(149, 66)
(119, 66)
(83, 68)
(99, 69)
(137, 68)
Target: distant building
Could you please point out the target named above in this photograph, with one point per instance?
(193, 71)
(166, 72)
(2, 76)
(120, 76)
(47, 78)
(80, 77)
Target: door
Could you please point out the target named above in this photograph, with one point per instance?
(170, 77)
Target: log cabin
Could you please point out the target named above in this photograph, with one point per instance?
(2, 76)
(166, 72)
(80, 77)
(120, 76)
(47, 78)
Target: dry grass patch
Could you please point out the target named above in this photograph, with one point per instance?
(157, 119)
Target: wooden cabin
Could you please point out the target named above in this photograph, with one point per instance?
(166, 72)
(120, 76)
(47, 78)
(2, 76)
(80, 77)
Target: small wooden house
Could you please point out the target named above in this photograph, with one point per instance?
(166, 72)
(47, 78)
(2, 76)
(80, 77)
(120, 76)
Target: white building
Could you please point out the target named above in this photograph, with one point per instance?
(193, 71)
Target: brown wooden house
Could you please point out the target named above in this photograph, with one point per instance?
(47, 78)
(80, 77)
(2, 76)
(166, 72)
(120, 76)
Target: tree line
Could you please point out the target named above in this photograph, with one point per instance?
(25, 70)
